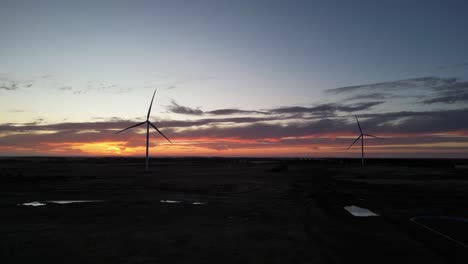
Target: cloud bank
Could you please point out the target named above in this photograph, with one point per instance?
(324, 129)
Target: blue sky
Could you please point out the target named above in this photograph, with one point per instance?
(78, 61)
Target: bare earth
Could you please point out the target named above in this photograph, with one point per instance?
(227, 211)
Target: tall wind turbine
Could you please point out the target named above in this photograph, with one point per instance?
(361, 136)
(148, 124)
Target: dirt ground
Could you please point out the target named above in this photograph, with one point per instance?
(227, 211)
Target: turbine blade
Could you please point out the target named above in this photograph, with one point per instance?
(160, 132)
(360, 130)
(373, 136)
(354, 142)
(139, 124)
(151, 104)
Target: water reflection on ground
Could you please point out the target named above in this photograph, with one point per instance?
(42, 203)
(359, 211)
(169, 201)
(73, 201)
(33, 204)
(178, 202)
(64, 202)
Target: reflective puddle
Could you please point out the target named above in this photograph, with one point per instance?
(38, 203)
(359, 211)
(33, 204)
(169, 201)
(178, 202)
(74, 201)
(64, 202)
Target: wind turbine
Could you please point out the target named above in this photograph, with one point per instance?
(361, 136)
(148, 124)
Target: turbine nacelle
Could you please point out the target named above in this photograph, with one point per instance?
(149, 123)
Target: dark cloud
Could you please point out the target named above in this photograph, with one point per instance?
(431, 89)
(455, 86)
(259, 131)
(448, 97)
(301, 109)
(9, 85)
(324, 123)
(217, 121)
(448, 94)
(12, 85)
(114, 123)
(240, 127)
(39, 120)
(65, 88)
(417, 122)
(404, 127)
(326, 108)
(275, 126)
(409, 123)
(179, 109)
(233, 111)
(424, 82)
(374, 96)
(358, 106)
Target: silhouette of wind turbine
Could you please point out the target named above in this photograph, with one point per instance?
(148, 124)
(361, 136)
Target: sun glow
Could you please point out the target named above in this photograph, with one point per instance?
(312, 145)
(94, 148)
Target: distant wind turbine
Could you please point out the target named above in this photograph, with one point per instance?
(361, 136)
(148, 124)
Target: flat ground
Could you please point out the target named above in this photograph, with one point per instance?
(228, 211)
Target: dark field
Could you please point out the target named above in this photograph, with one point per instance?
(232, 211)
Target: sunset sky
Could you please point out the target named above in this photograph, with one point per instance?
(234, 78)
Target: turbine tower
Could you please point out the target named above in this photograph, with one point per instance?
(361, 136)
(148, 124)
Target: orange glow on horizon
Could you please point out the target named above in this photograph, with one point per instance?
(94, 148)
(327, 145)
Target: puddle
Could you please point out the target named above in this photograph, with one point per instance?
(178, 202)
(64, 202)
(74, 201)
(359, 211)
(38, 203)
(33, 204)
(169, 201)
